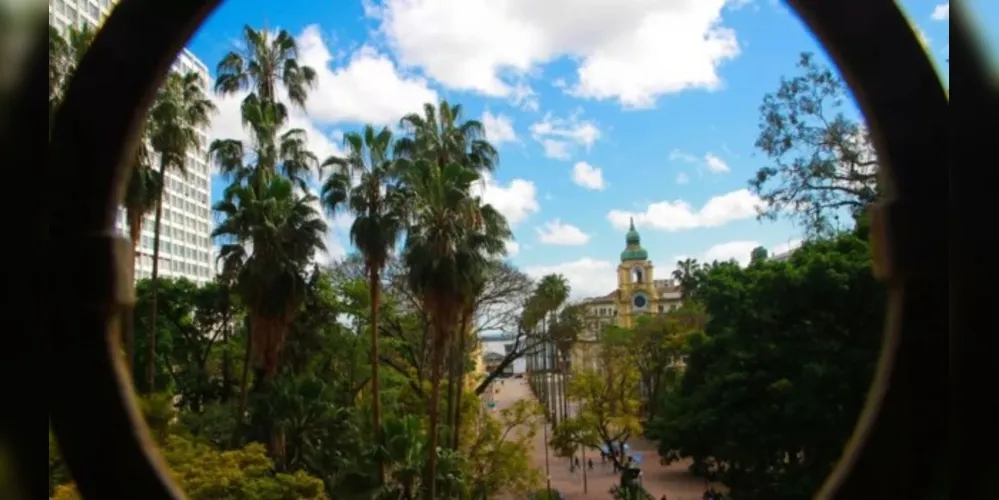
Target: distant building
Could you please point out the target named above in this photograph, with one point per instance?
(638, 293)
(783, 255)
(492, 360)
(185, 235)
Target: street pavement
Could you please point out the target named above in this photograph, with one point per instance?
(673, 480)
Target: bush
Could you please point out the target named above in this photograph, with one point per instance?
(636, 493)
(242, 474)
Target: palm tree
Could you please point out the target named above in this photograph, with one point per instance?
(553, 290)
(442, 251)
(378, 223)
(273, 153)
(65, 53)
(265, 61)
(269, 237)
(488, 232)
(565, 331)
(180, 110)
(685, 275)
(441, 136)
(141, 194)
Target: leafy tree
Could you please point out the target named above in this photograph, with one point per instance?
(685, 274)
(608, 398)
(175, 322)
(658, 346)
(773, 387)
(498, 451)
(822, 162)
(244, 474)
(574, 434)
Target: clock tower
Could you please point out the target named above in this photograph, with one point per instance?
(635, 282)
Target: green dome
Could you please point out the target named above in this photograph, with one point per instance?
(634, 250)
(632, 238)
(636, 254)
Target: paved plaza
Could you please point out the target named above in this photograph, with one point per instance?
(673, 480)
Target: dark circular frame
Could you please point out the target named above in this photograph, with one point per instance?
(898, 438)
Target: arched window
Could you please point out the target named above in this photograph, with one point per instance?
(636, 275)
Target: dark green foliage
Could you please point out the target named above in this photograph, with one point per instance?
(773, 387)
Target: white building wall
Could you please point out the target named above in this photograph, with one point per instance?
(185, 246)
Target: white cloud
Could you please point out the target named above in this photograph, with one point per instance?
(512, 248)
(631, 50)
(786, 246)
(941, 12)
(711, 161)
(369, 89)
(558, 233)
(682, 178)
(515, 201)
(588, 176)
(558, 135)
(738, 4)
(715, 164)
(499, 128)
(558, 150)
(738, 250)
(677, 155)
(587, 277)
(679, 215)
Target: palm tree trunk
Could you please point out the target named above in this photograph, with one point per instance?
(435, 401)
(244, 380)
(153, 313)
(226, 360)
(374, 288)
(462, 339)
(452, 375)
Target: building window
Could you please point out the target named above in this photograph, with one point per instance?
(636, 275)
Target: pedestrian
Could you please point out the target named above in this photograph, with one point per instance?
(664, 497)
(576, 461)
(589, 462)
(603, 457)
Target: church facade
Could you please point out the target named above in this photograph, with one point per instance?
(638, 293)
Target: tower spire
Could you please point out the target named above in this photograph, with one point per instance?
(631, 223)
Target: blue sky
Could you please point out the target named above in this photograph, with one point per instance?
(601, 110)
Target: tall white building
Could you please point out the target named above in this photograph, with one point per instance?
(185, 245)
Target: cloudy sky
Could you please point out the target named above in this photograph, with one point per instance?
(602, 110)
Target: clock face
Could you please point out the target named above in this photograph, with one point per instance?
(640, 301)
